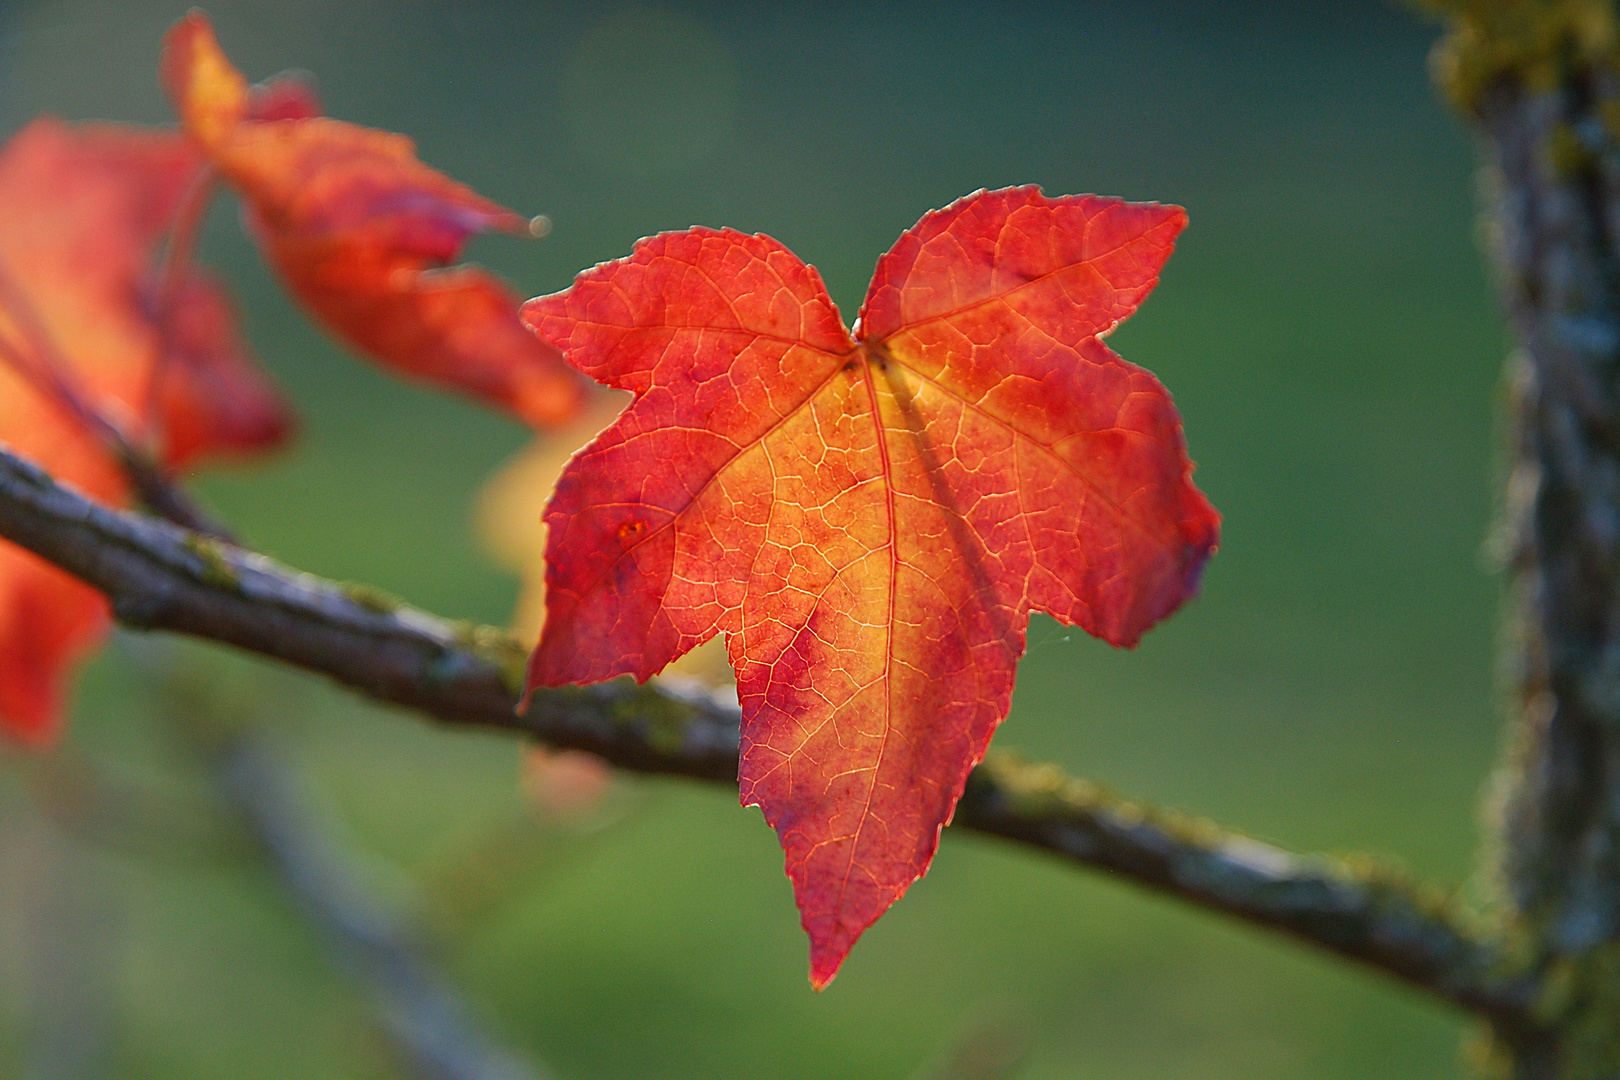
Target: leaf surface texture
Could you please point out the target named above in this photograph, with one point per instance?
(869, 518)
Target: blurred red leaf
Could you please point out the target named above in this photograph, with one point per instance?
(82, 309)
(362, 231)
(869, 520)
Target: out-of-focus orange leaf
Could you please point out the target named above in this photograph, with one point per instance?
(213, 401)
(82, 213)
(563, 783)
(285, 97)
(510, 513)
(362, 231)
(512, 506)
(869, 519)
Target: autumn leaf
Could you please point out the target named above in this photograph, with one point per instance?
(82, 309)
(869, 519)
(362, 233)
(510, 523)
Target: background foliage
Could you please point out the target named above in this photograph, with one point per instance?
(1328, 334)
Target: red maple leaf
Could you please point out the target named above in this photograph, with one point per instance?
(90, 323)
(362, 233)
(869, 519)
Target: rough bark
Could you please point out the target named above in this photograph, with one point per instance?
(160, 576)
(1538, 80)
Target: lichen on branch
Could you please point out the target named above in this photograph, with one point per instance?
(1532, 42)
(159, 576)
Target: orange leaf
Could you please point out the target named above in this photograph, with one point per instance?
(869, 520)
(361, 231)
(563, 783)
(214, 401)
(510, 513)
(82, 211)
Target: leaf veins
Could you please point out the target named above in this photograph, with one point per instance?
(869, 518)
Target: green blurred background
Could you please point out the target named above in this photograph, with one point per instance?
(1329, 334)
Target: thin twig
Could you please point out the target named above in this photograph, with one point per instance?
(164, 578)
(37, 360)
(423, 1015)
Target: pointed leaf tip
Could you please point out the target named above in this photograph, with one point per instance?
(210, 95)
(360, 230)
(869, 522)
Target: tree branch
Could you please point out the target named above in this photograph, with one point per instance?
(426, 1021)
(1540, 81)
(161, 577)
(41, 365)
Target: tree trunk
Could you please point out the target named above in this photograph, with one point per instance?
(1538, 80)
